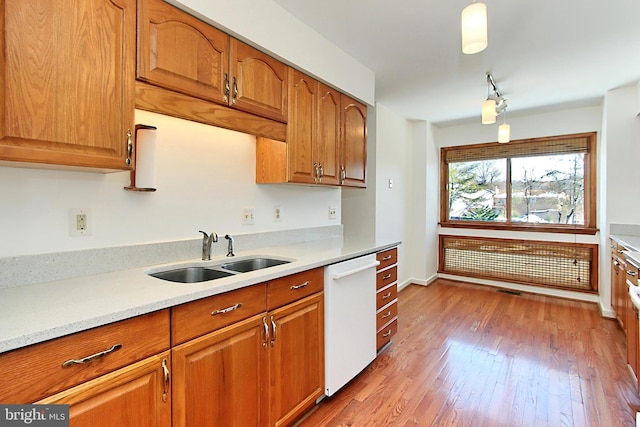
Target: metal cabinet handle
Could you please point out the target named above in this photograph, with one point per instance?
(235, 91)
(616, 263)
(386, 296)
(273, 336)
(387, 277)
(227, 88)
(165, 370)
(300, 286)
(266, 331)
(386, 334)
(384, 316)
(343, 174)
(387, 258)
(91, 358)
(226, 310)
(632, 273)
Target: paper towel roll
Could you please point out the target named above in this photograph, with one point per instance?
(146, 158)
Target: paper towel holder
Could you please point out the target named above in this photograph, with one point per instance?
(133, 187)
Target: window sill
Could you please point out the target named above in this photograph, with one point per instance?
(539, 228)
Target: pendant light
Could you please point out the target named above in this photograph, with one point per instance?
(489, 112)
(504, 130)
(474, 28)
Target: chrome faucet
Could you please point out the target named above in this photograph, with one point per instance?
(207, 240)
(230, 247)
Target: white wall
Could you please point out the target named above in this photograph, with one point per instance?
(268, 26)
(206, 175)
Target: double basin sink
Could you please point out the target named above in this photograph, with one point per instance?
(195, 274)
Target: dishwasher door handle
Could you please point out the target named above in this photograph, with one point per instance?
(338, 276)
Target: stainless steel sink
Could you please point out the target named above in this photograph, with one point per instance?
(252, 264)
(191, 274)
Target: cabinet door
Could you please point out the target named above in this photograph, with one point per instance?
(301, 128)
(613, 284)
(68, 72)
(219, 379)
(179, 52)
(296, 359)
(328, 135)
(137, 395)
(354, 143)
(258, 82)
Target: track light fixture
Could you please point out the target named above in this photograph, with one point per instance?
(493, 106)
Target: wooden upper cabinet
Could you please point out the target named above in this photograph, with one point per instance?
(354, 143)
(258, 82)
(67, 72)
(182, 53)
(301, 129)
(179, 52)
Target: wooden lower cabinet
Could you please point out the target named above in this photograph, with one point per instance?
(136, 395)
(296, 359)
(220, 378)
(266, 370)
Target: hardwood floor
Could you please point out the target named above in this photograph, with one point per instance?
(468, 355)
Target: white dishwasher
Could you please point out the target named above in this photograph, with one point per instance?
(349, 319)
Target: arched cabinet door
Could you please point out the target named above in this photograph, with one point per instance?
(179, 52)
(258, 82)
(353, 166)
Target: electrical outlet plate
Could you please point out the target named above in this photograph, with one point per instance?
(80, 222)
(332, 212)
(247, 217)
(277, 213)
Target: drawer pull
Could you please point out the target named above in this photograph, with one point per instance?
(386, 334)
(387, 277)
(226, 310)
(386, 296)
(384, 316)
(300, 286)
(387, 258)
(165, 390)
(632, 273)
(91, 358)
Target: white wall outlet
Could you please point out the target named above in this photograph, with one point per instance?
(277, 213)
(332, 212)
(80, 222)
(248, 215)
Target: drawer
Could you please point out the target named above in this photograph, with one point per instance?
(386, 277)
(34, 372)
(386, 314)
(384, 335)
(200, 317)
(387, 258)
(291, 288)
(385, 295)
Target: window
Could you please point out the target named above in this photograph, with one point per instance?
(546, 184)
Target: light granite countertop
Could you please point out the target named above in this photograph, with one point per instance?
(39, 312)
(632, 243)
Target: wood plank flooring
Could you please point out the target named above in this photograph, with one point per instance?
(468, 355)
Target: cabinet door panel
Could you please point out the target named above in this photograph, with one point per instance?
(354, 142)
(68, 76)
(296, 359)
(180, 52)
(136, 395)
(301, 127)
(328, 134)
(219, 379)
(260, 85)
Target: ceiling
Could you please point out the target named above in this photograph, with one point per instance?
(541, 53)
